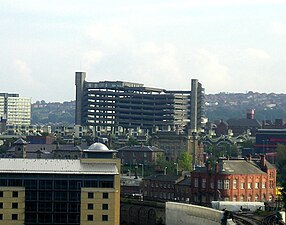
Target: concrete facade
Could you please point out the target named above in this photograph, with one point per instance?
(114, 107)
(186, 214)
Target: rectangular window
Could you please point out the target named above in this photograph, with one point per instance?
(226, 185)
(15, 194)
(90, 206)
(1, 194)
(256, 185)
(234, 184)
(104, 217)
(219, 184)
(14, 205)
(196, 182)
(89, 217)
(242, 185)
(263, 184)
(105, 195)
(249, 185)
(204, 181)
(271, 184)
(212, 184)
(1, 216)
(14, 216)
(104, 206)
(90, 195)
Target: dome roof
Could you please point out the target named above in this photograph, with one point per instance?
(98, 147)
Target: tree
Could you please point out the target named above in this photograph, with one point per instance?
(281, 162)
(186, 161)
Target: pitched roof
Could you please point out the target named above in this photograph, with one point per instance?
(238, 166)
(243, 122)
(162, 177)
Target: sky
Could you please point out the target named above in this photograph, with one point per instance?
(228, 45)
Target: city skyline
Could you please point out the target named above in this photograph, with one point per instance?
(235, 46)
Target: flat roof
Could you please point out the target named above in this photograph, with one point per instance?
(56, 166)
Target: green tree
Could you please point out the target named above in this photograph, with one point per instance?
(281, 162)
(186, 161)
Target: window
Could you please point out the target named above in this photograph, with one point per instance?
(90, 195)
(15, 194)
(219, 184)
(196, 182)
(104, 217)
(234, 184)
(271, 184)
(249, 198)
(105, 195)
(226, 184)
(90, 206)
(242, 198)
(212, 184)
(234, 198)
(1, 216)
(14, 205)
(256, 185)
(242, 185)
(249, 185)
(89, 217)
(1, 194)
(1, 205)
(104, 206)
(263, 184)
(271, 174)
(14, 216)
(256, 198)
(204, 181)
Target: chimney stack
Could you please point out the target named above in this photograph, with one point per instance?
(216, 167)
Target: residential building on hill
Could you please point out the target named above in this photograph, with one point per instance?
(60, 191)
(134, 155)
(15, 110)
(116, 107)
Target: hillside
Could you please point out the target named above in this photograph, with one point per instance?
(218, 106)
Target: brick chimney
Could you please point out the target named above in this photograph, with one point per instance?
(216, 167)
(208, 164)
(262, 161)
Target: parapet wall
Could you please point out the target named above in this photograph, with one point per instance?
(187, 214)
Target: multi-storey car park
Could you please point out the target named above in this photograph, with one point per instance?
(117, 106)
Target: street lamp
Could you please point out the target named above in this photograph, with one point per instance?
(142, 169)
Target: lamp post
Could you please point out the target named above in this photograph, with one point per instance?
(142, 170)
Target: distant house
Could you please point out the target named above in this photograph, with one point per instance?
(134, 155)
(238, 180)
(160, 187)
(243, 125)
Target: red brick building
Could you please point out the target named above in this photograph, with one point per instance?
(234, 180)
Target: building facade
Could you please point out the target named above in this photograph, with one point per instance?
(240, 180)
(121, 107)
(49, 191)
(16, 110)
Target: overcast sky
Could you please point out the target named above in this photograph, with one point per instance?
(229, 45)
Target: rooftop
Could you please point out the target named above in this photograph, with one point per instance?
(55, 166)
